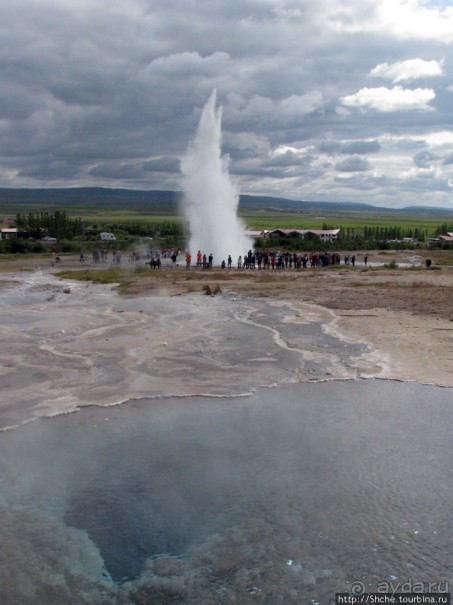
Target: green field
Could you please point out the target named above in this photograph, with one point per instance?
(259, 220)
(345, 220)
(98, 208)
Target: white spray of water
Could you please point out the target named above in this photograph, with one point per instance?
(210, 197)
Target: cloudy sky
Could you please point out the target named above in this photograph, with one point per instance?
(322, 99)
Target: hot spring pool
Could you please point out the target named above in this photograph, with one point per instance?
(285, 496)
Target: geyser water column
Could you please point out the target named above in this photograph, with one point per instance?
(210, 197)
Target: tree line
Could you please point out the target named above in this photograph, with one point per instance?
(444, 229)
(377, 233)
(58, 224)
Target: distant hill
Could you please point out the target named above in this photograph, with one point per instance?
(430, 209)
(158, 202)
(283, 204)
(280, 204)
(167, 202)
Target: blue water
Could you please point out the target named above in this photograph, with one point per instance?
(297, 491)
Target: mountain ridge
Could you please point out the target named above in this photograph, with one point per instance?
(168, 200)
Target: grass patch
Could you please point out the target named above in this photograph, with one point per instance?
(97, 276)
(441, 257)
(139, 270)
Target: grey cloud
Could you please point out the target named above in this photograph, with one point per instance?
(50, 170)
(117, 170)
(353, 164)
(287, 159)
(448, 160)
(355, 182)
(361, 147)
(330, 147)
(133, 170)
(92, 93)
(424, 159)
(166, 164)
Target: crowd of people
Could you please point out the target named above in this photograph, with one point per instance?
(101, 256)
(250, 260)
(268, 260)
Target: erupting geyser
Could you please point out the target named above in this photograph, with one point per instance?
(210, 198)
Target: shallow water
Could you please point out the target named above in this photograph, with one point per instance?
(67, 345)
(284, 496)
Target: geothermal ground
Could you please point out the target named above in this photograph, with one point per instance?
(69, 343)
(256, 456)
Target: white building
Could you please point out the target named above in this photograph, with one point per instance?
(9, 233)
(325, 235)
(107, 237)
